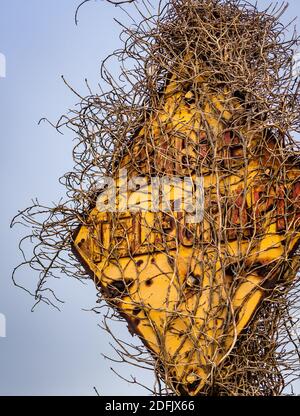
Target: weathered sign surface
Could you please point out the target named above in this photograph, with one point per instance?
(188, 288)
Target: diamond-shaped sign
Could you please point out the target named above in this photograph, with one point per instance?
(188, 288)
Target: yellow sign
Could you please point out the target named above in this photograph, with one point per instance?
(189, 287)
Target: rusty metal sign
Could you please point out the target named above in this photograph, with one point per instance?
(188, 289)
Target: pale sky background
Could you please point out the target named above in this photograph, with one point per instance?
(49, 352)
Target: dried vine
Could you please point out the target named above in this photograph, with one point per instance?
(231, 67)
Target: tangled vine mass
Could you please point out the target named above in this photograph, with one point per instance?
(206, 88)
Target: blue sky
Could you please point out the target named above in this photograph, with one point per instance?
(47, 351)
